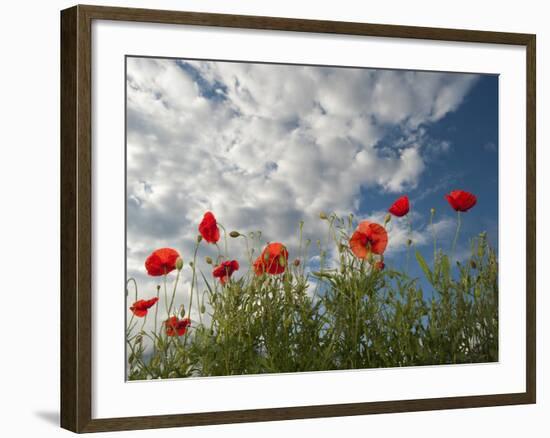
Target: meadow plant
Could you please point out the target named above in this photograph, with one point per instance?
(353, 311)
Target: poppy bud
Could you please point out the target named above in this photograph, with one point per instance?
(432, 211)
(182, 311)
(234, 234)
(296, 262)
(199, 238)
(323, 215)
(139, 339)
(409, 242)
(191, 264)
(179, 264)
(473, 264)
(203, 308)
(387, 219)
(208, 260)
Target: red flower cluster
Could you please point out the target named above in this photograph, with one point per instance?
(461, 200)
(161, 261)
(272, 260)
(140, 307)
(176, 327)
(400, 207)
(209, 228)
(368, 237)
(224, 270)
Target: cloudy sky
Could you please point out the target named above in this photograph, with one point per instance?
(264, 146)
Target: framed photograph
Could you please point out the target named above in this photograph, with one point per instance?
(269, 218)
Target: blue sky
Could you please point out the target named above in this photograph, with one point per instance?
(470, 163)
(264, 146)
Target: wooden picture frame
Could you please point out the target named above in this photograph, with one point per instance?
(76, 218)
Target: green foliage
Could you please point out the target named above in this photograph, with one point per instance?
(348, 316)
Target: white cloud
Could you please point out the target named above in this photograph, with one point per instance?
(265, 146)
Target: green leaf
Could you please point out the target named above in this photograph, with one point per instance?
(206, 282)
(424, 266)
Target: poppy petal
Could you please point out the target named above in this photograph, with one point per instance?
(400, 207)
(208, 228)
(161, 261)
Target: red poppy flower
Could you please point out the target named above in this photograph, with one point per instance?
(258, 266)
(400, 207)
(140, 307)
(272, 260)
(161, 261)
(175, 326)
(461, 200)
(368, 237)
(379, 265)
(225, 270)
(209, 228)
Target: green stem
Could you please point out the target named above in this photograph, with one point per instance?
(166, 295)
(225, 239)
(135, 286)
(433, 235)
(156, 317)
(174, 291)
(458, 223)
(193, 278)
(248, 253)
(219, 253)
(409, 243)
(143, 324)
(196, 290)
(129, 329)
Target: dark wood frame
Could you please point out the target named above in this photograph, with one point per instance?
(76, 218)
